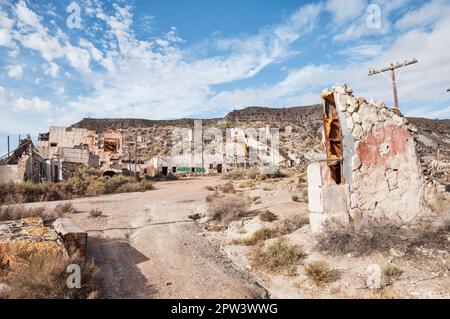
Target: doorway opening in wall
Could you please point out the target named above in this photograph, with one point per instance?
(219, 168)
(193, 169)
(174, 169)
(164, 170)
(109, 173)
(333, 137)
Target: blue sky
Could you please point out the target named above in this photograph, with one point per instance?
(204, 58)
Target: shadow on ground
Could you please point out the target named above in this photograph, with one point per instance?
(116, 278)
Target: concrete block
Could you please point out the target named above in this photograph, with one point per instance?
(74, 238)
(314, 187)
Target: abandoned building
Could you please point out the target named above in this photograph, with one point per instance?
(372, 166)
(25, 163)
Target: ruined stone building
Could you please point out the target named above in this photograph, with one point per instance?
(72, 148)
(24, 164)
(372, 165)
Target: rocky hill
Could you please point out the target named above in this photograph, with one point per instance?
(300, 131)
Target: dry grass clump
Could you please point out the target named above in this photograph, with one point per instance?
(246, 184)
(291, 224)
(267, 216)
(89, 182)
(211, 188)
(320, 272)
(45, 277)
(227, 208)
(391, 270)
(259, 235)
(66, 208)
(227, 188)
(286, 227)
(15, 212)
(361, 237)
(95, 212)
(280, 257)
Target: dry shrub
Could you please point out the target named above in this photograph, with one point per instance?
(232, 175)
(363, 236)
(89, 182)
(391, 270)
(320, 272)
(14, 212)
(295, 198)
(227, 208)
(246, 184)
(66, 208)
(280, 257)
(227, 188)
(45, 277)
(259, 235)
(268, 216)
(211, 188)
(291, 224)
(95, 212)
(211, 197)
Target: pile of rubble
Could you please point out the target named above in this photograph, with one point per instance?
(27, 237)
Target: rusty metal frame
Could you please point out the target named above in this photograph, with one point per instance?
(333, 137)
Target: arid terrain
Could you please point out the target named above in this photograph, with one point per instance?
(147, 245)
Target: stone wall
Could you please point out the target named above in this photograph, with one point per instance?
(380, 163)
(381, 153)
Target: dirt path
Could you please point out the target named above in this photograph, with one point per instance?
(147, 247)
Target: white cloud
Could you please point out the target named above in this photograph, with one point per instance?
(2, 96)
(428, 14)
(34, 104)
(14, 71)
(344, 10)
(33, 35)
(52, 69)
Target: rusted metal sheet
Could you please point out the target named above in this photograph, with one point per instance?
(333, 137)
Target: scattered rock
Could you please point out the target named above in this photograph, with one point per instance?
(168, 283)
(356, 162)
(396, 253)
(373, 279)
(3, 288)
(195, 216)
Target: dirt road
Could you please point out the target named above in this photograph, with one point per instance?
(147, 247)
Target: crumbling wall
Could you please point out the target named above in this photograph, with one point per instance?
(381, 153)
(380, 164)
(9, 173)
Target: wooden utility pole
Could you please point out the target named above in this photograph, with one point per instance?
(8, 146)
(392, 68)
(135, 155)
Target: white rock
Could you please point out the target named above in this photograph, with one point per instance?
(353, 200)
(349, 123)
(367, 126)
(380, 104)
(356, 162)
(356, 118)
(373, 279)
(384, 149)
(342, 104)
(3, 288)
(357, 132)
(396, 253)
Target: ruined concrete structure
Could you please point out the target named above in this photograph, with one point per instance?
(72, 148)
(372, 166)
(24, 164)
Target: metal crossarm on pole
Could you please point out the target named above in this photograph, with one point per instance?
(392, 68)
